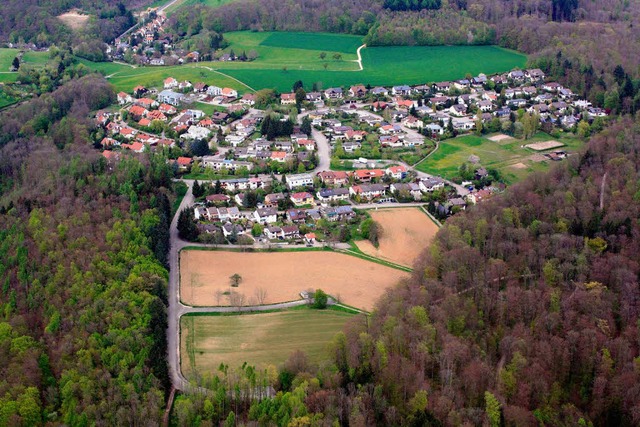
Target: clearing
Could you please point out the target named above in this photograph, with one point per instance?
(258, 339)
(406, 232)
(501, 155)
(204, 277)
(74, 19)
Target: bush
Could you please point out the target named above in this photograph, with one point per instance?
(320, 299)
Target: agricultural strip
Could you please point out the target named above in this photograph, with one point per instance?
(258, 339)
(406, 232)
(281, 276)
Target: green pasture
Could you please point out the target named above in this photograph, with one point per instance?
(186, 3)
(314, 41)
(258, 339)
(509, 157)
(6, 58)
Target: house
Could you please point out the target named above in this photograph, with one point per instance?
(411, 188)
(463, 123)
(230, 165)
(278, 156)
(217, 198)
(478, 196)
(401, 90)
(430, 185)
(136, 147)
(272, 200)
(156, 115)
(367, 191)
(338, 213)
(458, 109)
(196, 132)
(333, 194)
(229, 93)
(534, 74)
(435, 129)
(481, 173)
(310, 238)
(485, 105)
(458, 203)
(110, 155)
(396, 172)
(124, 98)
(299, 180)
(333, 93)
(297, 215)
(552, 87)
(229, 229)
(366, 175)
(413, 123)
(516, 75)
(313, 96)
(167, 109)
(334, 177)
(442, 86)
(170, 83)
(170, 97)
(274, 232)
(517, 102)
(128, 132)
(200, 87)
(214, 91)
(137, 112)
(357, 91)
(288, 99)
(307, 144)
(302, 198)
(291, 232)
(248, 99)
(234, 140)
(109, 142)
(266, 215)
(379, 91)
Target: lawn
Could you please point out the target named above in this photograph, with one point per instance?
(185, 3)
(6, 58)
(314, 41)
(258, 339)
(509, 157)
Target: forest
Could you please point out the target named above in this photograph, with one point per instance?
(83, 247)
(33, 21)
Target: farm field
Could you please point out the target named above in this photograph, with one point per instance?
(284, 58)
(509, 156)
(258, 339)
(6, 58)
(204, 277)
(406, 232)
(183, 3)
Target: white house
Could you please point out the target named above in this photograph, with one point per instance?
(266, 215)
(299, 180)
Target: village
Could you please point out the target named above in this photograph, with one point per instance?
(309, 161)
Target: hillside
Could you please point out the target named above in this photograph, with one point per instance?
(83, 285)
(532, 298)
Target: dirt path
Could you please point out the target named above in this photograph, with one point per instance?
(359, 60)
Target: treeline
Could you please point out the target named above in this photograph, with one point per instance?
(428, 28)
(412, 5)
(33, 21)
(82, 251)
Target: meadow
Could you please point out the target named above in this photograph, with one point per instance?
(259, 339)
(184, 3)
(509, 156)
(284, 58)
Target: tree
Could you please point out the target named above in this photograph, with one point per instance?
(187, 229)
(231, 420)
(323, 55)
(197, 190)
(320, 299)
(261, 295)
(235, 280)
(492, 408)
(257, 229)
(337, 56)
(375, 232)
(16, 63)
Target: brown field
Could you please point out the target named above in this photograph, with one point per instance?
(74, 19)
(204, 277)
(406, 232)
(547, 145)
(499, 137)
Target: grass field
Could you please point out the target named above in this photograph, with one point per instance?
(284, 58)
(509, 157)
(258, 339)
(204, 277)
(6, 58)
(186, 3)
(406, 232)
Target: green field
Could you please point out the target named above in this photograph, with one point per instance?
(185, 3)
(284, 58)
(258, 339)
(509, 157)
(6, 58)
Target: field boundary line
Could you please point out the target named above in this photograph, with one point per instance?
(438, 223)
(362, 255)
(226, 75)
